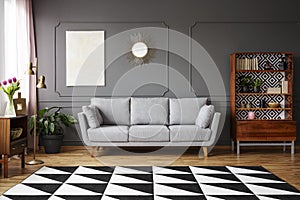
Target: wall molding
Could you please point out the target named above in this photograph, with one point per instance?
(62, 93)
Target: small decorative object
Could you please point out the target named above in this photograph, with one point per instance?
(243, 105)
(15, 133)
(251, 115)
(282, 65)
(20, 105)
(245, 83)
(267, 65)
(256, 85)
(262, 103)
(273, 104)
(274, 90)
(248, 105)
(284, 87)
(9, 87)
(140, 52)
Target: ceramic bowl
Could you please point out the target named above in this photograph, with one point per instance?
(273, 104)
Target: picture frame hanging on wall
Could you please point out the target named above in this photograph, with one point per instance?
(85, 58)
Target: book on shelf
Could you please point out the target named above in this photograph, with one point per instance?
(247, 64)
(284, 87)
(274, 90)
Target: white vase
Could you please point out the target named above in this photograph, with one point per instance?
(10, 108)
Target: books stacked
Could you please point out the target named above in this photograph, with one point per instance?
(247, 63)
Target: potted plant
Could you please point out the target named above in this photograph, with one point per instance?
(245, 83)
(49, 126)
(256, 85)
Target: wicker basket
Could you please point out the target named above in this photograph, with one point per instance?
(15, 133)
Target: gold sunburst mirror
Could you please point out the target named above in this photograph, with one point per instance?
(140, 52)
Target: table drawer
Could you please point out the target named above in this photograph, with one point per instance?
(266, 129)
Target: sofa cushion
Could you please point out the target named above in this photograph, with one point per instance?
(188, 133)
(205, 116)
(93, 116)
(149, 111)
(185, 110)
(113, 110)
(149, 133)
(108, 134)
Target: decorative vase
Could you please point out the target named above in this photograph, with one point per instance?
(245, 89)
(10, 108)
(262, 103)
(251, 115)
(256, 89)
(282, 65)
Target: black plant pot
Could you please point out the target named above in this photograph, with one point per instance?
(52, 143)
(245, 89)
(256, 89)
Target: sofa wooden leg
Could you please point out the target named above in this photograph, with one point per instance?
(94, 151)
(205, 151)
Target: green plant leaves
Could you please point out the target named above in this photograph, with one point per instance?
(52, 127)
(50, 121)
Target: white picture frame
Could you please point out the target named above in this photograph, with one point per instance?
(85, 58)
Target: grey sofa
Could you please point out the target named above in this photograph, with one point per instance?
(149, 122)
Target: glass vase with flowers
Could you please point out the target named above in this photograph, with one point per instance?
(9, 87)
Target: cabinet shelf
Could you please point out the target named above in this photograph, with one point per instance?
(263, 109)
(262, 120)
(262, 93)
(262, 70)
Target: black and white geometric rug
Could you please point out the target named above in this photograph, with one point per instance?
(159, 183)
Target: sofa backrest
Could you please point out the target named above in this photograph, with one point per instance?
(149, 110)
(160, 111)
(113, 110)
(185, 110)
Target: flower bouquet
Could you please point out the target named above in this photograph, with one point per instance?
(9, 87)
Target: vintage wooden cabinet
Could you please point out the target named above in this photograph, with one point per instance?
(272, 125)
(10, 146)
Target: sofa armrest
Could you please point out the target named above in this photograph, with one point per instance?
(84, 126)
(214, 128)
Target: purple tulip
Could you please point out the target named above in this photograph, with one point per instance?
(10, 80)
(4, 82)
(14, 79)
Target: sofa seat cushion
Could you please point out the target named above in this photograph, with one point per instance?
(108, 134)
(188, 133)
(149, 133)
(149, 111)
(185, 110)
(113, 110)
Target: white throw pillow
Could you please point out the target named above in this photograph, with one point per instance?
(205, 116)
(93, 116)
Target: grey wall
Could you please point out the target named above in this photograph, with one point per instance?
(221, 27)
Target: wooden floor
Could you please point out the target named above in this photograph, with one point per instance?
(274, 159)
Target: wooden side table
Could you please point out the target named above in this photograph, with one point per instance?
(10, 146)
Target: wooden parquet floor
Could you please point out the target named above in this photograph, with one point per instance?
(273, 159)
